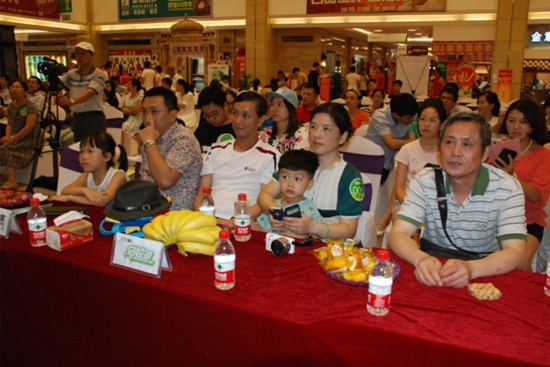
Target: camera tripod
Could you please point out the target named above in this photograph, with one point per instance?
(51, 126)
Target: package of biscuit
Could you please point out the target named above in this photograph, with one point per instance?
(484, 291)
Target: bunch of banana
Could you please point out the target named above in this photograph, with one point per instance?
(193, 232)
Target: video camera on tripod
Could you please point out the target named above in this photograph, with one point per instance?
(53, 70)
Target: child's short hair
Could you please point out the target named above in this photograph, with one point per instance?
(300, 160)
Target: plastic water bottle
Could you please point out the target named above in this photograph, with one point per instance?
(242, 220)
(36, 218)
(207, 203)
(380, 282)
(547, 284)
(224, 262)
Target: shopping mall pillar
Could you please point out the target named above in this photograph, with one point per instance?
(259, 41)
(510, 36)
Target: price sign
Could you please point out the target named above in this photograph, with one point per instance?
(465, 77)
(8, 223)
(139, 254)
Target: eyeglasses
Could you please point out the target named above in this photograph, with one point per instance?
(431, 120)
(212, 115)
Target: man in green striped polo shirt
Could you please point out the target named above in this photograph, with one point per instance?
(485, 210)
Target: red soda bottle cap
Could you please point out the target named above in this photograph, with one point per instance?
(35, 201)
(206, 190)
(242, 197)
(383, 254)
(224, 234)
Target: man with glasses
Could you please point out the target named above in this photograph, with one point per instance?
(389, 128)
(215, 123)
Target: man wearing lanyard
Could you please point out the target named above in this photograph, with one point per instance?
(86, 91)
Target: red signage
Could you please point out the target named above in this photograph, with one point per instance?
(465, 76)
(373, 6)
(504, 85)
(40, 9)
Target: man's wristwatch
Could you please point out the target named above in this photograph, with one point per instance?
(71, 102)
(149, 143)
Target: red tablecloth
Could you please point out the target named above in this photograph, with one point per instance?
(75, 309)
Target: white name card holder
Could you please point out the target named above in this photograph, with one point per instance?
(140, 255)
(8, 223)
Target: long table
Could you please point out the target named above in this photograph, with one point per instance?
(75, 309)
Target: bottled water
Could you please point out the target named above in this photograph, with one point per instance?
(380, 282)
(224, 262)
(36, 218)
(207, 203)
(242, 219)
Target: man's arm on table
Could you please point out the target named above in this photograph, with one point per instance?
(454, 273)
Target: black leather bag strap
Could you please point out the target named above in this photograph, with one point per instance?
(442, 206)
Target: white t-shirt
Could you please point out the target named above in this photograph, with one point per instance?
(412, 155)
(353, 80)
(106, 181)
(187, 114)
(238, 172)
(148, 76)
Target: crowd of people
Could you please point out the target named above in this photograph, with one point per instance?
(279, 144)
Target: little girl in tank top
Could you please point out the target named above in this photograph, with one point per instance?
(103, 171)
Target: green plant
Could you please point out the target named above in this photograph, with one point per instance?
(336, 85)
(245, 82)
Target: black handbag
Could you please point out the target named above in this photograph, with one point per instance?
(433, 249)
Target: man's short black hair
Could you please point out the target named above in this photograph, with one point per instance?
(404, 104)
(316, 63)
(398, 82)
(450, 90)
(170, 100)
(249, 95)
(352, 68)
(484, 127)
(295, 69)
(300, 160)
(168, 81)
(212, 94)
(315, 87)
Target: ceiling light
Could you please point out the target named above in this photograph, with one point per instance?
(361, 31)
(418, 34)
(378, 30)
(411, 30)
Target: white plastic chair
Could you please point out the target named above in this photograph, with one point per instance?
(368, 158)
(69, 167)
(114, 119)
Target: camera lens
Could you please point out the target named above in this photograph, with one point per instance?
(280, 246)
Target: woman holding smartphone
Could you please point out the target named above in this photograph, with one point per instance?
(524, 120)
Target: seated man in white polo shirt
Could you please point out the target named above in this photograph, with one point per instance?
(243, 165)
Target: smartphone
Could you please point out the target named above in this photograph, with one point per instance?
(293, 211)
(507, 152)
(290, 211)
(277, 213)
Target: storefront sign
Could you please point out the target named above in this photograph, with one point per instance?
(504, 85)
(374, 6)
(148, 9)
(387, 37)
(538, 36)
(297, 38)
(417, 50)
(41, 9)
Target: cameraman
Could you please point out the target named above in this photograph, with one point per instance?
(86, 91)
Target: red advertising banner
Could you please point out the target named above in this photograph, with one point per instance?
(324, 86)
(36, 8)
(130, 61)
(374, 6)
(465, 77)
(241, 65)
(504, 85)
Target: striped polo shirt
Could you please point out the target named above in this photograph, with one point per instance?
(493, 212)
